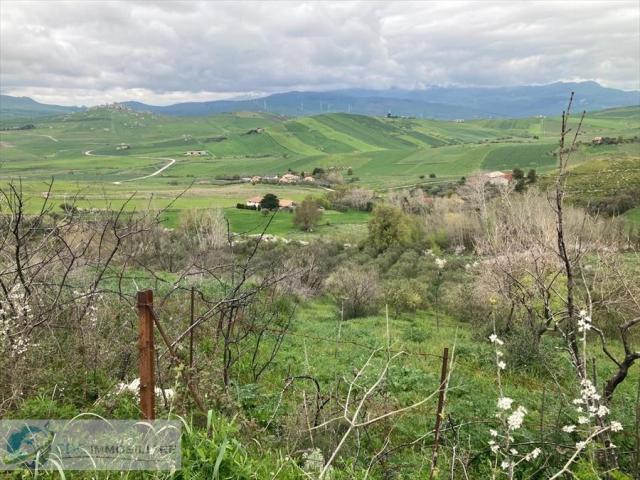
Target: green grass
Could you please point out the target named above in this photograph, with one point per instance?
(537, 156)
(331, 222)
(633, 216)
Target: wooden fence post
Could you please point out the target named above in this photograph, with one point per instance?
(441, 398)
(146, 355)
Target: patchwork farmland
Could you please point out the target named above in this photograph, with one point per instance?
(104, 156)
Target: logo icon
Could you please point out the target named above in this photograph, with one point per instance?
(28, 446)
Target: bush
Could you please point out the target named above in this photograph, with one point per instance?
(356, 288)
(404, 296)
(244, 206)
(524, 352)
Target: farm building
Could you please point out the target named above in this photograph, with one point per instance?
(123, 146)
(597, 140)
(289, 178)
(256, 179)
(286, 203)
(499, 178)
(282, 203)
(196, 153)
(309, 179)
(253, 201)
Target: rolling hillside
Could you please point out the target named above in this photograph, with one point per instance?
(83, 152)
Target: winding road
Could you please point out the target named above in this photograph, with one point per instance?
(160, 170)
(50, 137)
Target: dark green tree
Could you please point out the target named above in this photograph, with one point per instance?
(520, 185)
(532, 176)
(518, 174)
(269, 202)
(388, 226)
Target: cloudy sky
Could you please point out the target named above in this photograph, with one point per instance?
(164, 52)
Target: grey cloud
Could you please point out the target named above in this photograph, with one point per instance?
(90, 52)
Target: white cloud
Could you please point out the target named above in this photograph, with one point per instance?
(92, 52)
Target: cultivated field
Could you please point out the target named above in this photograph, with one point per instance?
(81, 153)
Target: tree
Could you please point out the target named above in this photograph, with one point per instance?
(532, 176)
(269, 202)
(388, 226)
(520, 185)
(307, 215)
(518, 174)
(317, 172)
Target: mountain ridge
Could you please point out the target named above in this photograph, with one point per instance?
(443, 103)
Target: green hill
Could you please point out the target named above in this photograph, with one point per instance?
(381, 152)
(21, 107)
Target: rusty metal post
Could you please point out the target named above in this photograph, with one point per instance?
(441, 398)
(191, 320)
(146, 355)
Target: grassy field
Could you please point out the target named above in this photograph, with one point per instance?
(80, 152)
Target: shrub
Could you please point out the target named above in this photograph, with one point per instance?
(356, 288)
(403, 296)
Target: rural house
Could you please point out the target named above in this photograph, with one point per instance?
(254, 202)
(282, 203)
(289, 178)
(196, 153)
(499, 178)
(286, 203)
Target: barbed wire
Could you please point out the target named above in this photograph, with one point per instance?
(351, 342)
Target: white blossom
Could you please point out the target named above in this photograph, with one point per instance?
(504, 403)
(516, 418)
(569, 428)
(533, 454)
(616, 426)
(584, 322)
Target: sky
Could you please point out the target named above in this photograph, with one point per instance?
(163, 52)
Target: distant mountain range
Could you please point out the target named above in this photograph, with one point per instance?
(17, 107)
(446, 103)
